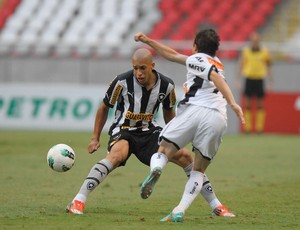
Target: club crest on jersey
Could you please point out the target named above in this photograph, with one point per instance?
(161, 97)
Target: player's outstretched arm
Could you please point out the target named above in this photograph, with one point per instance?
(100, 121)
(221, 85)
(163, 50)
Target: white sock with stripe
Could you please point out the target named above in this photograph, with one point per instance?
(192, 189)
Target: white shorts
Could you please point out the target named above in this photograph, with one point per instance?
(201, 126)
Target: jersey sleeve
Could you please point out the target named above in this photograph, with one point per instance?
(113, 92)
(199, 66)
(170, 100)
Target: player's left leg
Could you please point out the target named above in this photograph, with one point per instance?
(183, 158)
(158, 161)
(96, 175)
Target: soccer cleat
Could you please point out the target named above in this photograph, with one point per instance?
(150, 181)
(222, 211)
(178, 217)
(75, 207)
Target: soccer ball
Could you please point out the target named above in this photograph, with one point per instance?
(61, 158)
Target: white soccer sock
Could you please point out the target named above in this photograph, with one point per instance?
(208, 193)
(207, 190)
(97, 174)
(158, 160)
(192, 189)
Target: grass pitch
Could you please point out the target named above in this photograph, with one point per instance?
(257, 177)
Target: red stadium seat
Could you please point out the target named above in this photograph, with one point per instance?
(7, 9)
(185, 31)
(172, 17)
(245, 8)
(216, 19)
(166, 5)
(196, 18)
(224, 8)
(226, 32)
(161, 29)
(265, 8)
(186, 6)
(204, 7)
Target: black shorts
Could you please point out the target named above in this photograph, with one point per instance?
(254, 88)
(143, 144)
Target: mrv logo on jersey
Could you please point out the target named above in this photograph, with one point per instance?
(196, 67)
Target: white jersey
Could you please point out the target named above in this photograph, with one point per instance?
(199, 90)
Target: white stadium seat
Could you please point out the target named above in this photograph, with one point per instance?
(93, 26)
(8, 37)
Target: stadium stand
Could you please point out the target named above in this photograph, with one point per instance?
(106, 27)
(228, 17)
(284, 29)
(73, 27)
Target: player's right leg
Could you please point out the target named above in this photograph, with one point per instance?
(157, 163)
(175, 135)
(97, 174)
(192, 189)
(117, 155)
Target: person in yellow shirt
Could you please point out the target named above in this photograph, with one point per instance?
(255, 66)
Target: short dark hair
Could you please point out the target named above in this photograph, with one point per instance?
(207, 41)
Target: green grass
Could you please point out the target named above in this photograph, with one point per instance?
(257, 177)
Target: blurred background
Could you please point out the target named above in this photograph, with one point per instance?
(58, 56)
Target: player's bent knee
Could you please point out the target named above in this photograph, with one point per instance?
(116, 158)
(183, 158)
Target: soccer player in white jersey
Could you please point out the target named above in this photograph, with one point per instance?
(137, 95)
(201, 116)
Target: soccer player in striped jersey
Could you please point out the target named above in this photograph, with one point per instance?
(201, 116)
(137, 95)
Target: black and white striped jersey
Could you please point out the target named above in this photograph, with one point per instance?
(136, 107)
